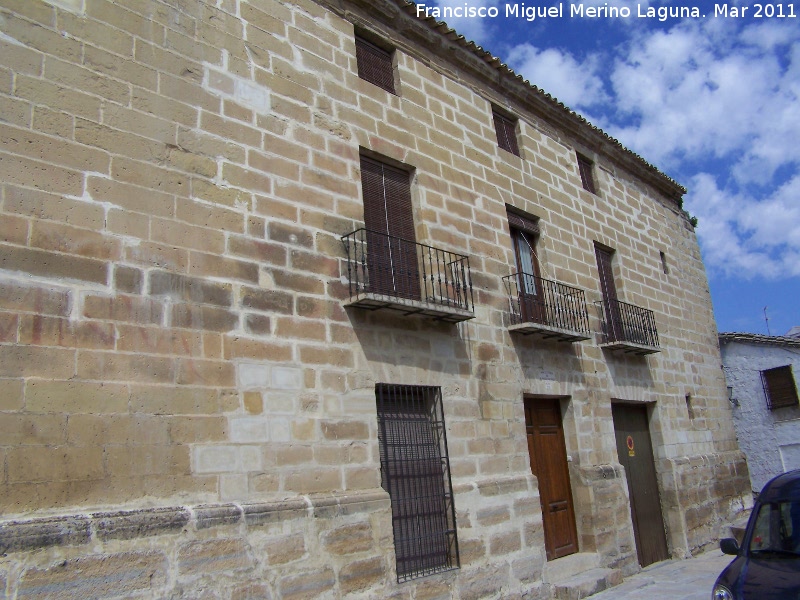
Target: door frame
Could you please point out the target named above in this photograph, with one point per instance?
(654, 528)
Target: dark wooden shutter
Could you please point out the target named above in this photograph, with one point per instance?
(779, 387)
(388, 218)
(522, 223)
(506, 133)
(375, 64)
(614, 329)
(607, 285)
(587, 177)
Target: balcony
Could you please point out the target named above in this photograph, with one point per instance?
(387, 272)
(546, 308)
(627, 328)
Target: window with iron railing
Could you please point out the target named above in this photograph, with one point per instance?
(779, 387)
(415, 471)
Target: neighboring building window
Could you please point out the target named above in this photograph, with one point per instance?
(587, 178)
(375, 64)
(415, 471)
(506, 129)
(779, 387)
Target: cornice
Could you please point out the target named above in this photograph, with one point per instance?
(755, 338)
(425, 37)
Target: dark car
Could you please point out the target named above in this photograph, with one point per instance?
(767, 566)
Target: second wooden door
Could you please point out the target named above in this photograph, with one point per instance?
(635, 451)
(548, 455)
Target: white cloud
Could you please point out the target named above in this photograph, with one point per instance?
(702, 96)
(559, 74)
(745, 236)
(687, 95)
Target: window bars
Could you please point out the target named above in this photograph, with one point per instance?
(415, 471)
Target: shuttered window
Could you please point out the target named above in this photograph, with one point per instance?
(391, 242)
(387, 199)
(587, 178)
(375, 64)
(779, 387)
(506, 132)
(527, 224)
(415, 471)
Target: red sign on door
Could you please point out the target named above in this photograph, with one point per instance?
(629, 443)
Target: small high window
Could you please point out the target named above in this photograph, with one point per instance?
(779, 387)
(375, 64)
(587, 177)
(506, 129)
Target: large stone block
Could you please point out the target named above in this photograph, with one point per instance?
(348, 539)
(97, 576)
(307, 586)
(361, 575)
(211, 556)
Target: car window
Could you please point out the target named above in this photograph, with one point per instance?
(777, 528)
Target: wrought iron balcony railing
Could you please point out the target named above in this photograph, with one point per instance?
(627, 327)
(546, 308)
(385, 271)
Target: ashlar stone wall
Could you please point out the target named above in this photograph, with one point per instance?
(186, 407)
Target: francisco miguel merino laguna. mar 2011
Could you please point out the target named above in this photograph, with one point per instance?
(531, 13)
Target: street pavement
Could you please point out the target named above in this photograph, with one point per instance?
(690, 579)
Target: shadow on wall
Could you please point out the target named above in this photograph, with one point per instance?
(398, 342)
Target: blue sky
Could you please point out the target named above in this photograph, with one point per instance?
(712, 101)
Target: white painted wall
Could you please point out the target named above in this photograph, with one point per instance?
(769, 439)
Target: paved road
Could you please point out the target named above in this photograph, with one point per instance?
(690, 579)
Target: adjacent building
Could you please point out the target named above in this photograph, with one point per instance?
(317, 299)
(761, 371)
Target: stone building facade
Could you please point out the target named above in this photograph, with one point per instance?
(767, 420)
(295, 298)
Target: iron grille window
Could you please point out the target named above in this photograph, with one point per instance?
(779, 387)
(375, 64)
(587, 178)
(415, 471)
(506, 132)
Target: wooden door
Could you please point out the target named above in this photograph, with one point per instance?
(609, 290)
(391, 241)
(548, 455)
(635, 451)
